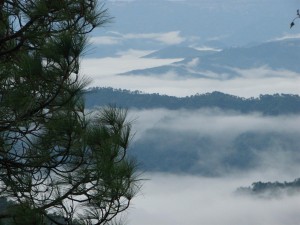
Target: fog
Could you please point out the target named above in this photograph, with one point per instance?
(211, 121)
(251, 82)
(185, 199)
(190, 200)
(214, 142)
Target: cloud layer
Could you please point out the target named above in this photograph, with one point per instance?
(175, 200)
(250, 83)
(166, 38)
(212, 142)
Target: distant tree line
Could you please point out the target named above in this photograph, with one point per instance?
(272, 189)
(275, 104)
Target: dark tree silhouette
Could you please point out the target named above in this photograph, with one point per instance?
(54, 158)
(297, 17)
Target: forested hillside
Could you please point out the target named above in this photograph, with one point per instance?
(271, 189)
(276, 104)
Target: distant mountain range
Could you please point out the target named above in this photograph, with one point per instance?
(176, 51)
(276, 55)
(266, 104)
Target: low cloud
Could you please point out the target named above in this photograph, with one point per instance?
(166, 38)
(214, 122)
(286, 37)
(103, 71)
(105, 40)
(265, 72)
(193, 63)
(207, 48)
(215, 142)
(133, 53)
(189, 199)
(175, 200)
(121, 0)
(171, 84)
(169, 38)
(249, 83)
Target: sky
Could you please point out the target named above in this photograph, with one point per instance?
(141, 27)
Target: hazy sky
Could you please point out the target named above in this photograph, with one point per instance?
(140, 27)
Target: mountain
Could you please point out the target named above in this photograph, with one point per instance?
(178, 52)
(276, 104)
(225, 64)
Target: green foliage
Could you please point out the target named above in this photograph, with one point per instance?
(57, 164)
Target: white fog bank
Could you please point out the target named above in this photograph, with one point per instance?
(251, 83)
(190, 200)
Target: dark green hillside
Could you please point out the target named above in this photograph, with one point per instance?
(103, 96)
(276, 104)
(271, 189)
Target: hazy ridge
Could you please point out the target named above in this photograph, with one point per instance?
(276, 104)
(279, 55)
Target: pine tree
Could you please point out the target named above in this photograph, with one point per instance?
(58, 164)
